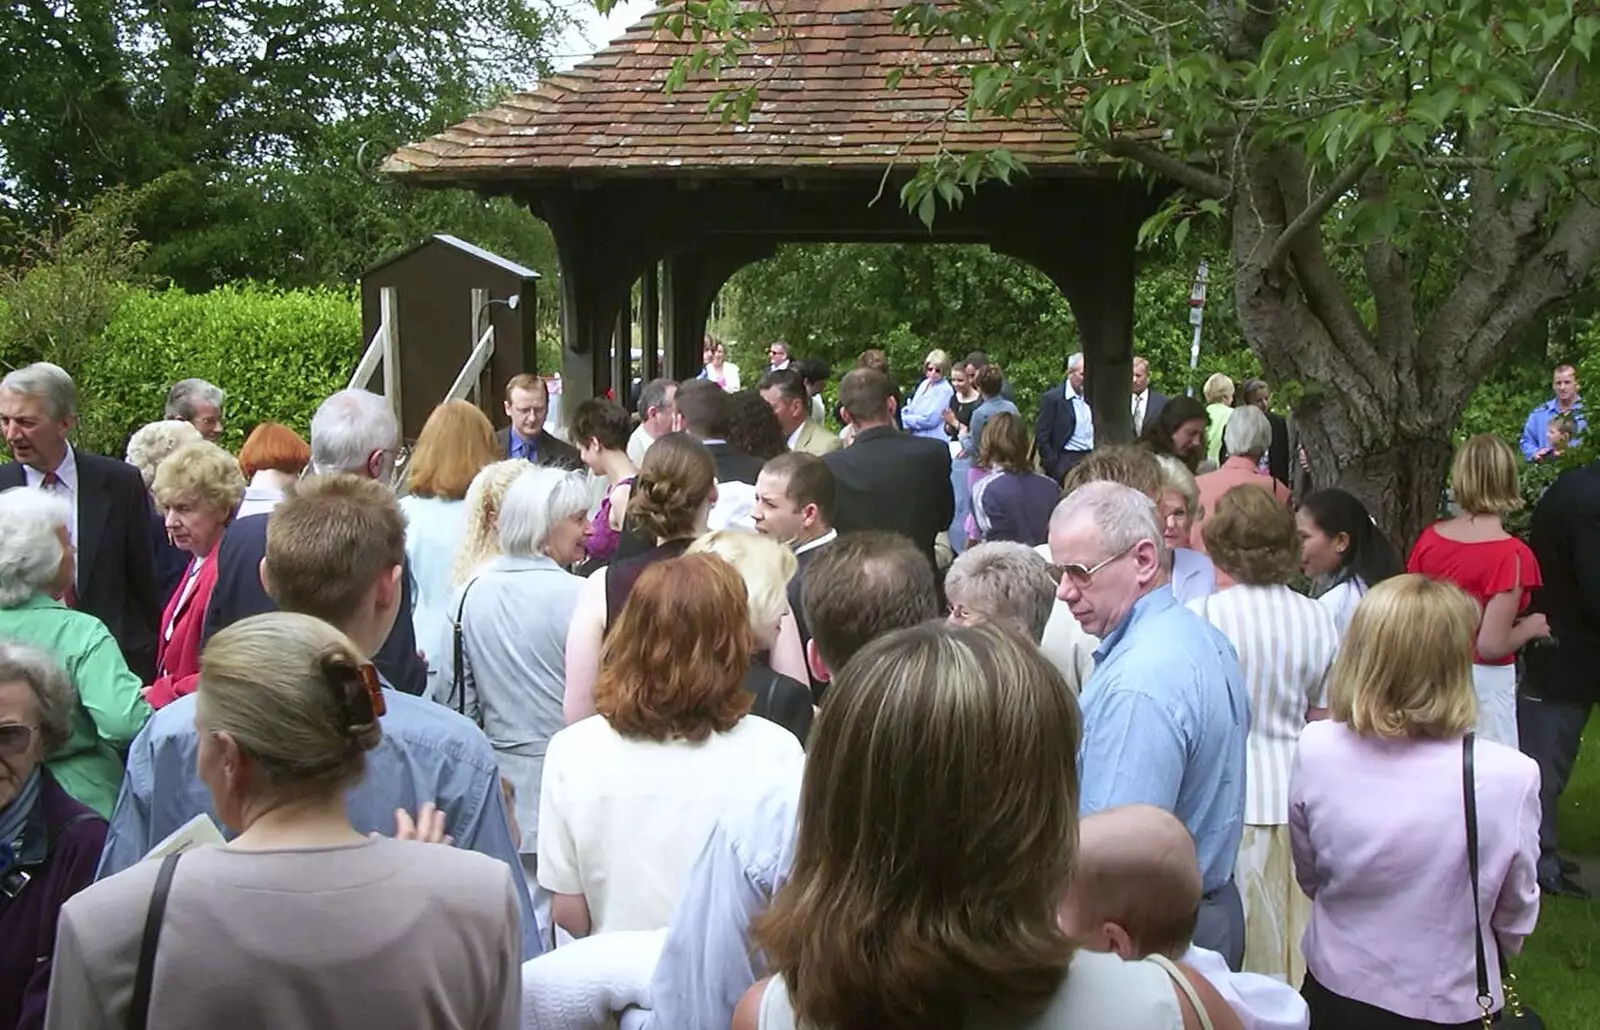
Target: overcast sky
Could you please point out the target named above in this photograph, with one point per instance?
(594, 31)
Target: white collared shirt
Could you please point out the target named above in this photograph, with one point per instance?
(794, 437)
(811, 545)
(1140, 400)
(67, 472)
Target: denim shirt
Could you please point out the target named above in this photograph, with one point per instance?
(707, 964)
(428, 753)
(1534, 439)
(1165, 717)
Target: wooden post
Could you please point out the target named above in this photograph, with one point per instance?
(650, 322)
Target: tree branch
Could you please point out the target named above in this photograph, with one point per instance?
(1314, 210)
(1205, 183)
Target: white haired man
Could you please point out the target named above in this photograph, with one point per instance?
(111, 512)
(354, 432)
(1165, 714)
(198, 403)
(1064, 431)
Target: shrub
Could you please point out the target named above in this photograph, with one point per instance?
(276, 353)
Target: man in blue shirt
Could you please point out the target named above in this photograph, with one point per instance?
(1165, 714)
(1535, 432)
(334, 551)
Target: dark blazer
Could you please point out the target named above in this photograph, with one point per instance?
(1055, 425)
(1564, 533)
(780, 699)
(238, 594)
(734, 465)
(116, 561)
(801, 626)
(1153, 403)
(893, 481)
(1277, 451)
(551, 450)
(61, 845)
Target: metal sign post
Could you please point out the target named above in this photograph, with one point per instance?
(1197, 316)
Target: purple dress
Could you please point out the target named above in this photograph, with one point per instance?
(603, 540)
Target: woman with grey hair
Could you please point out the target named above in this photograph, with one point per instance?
(147, 448)
(36, 567)
(1193, 575)
(1247, 437)
(509, 624)
(1002, 582)
(49, 843)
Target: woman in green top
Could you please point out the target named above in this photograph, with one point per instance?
(1219, 405)
(36, 566)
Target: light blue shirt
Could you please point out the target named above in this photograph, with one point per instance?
(1082, 438)
(434, 527)
(428, 753)
(1538, 424)
(923, 415)
(1165, 717)
(1193, 575)
(990, 407)
(707, 964)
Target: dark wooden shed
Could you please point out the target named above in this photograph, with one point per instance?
(642, 186)
(446, 294)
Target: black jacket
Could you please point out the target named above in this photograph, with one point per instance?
(734, 465)
(551, 450)
(893, 481)
(1055, 425)
(1565, 536)
(116, 557)
(239, 595)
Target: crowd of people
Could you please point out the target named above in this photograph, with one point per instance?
(708, 716)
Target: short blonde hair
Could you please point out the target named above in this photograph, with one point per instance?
(152, 443)
(1405, 669)
(939, 359)
(200, 472)
(289, 689)
(1483, 476)
(766, 567)
(1218, 389)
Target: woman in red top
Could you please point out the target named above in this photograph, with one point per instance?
(1473, 551)
(197, 486)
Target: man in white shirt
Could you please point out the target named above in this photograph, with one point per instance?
(794, 505)
(655, 417)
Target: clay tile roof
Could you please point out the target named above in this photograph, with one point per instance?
(824, 105)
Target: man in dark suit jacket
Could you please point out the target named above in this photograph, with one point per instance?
(1562, 684)
(368, 437)
(795, 506)
(527, 404)
(700, 408)
(887, 479)
(1147, 403)
(1057, 423)
(116, 580)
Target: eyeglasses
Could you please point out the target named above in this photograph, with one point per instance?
(1082, 576)
(15, 738)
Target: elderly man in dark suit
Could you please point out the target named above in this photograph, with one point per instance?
(1561, 684)
(354, 433)
(527, 405)
(111, 513)
(887, 479)
(1063, 433)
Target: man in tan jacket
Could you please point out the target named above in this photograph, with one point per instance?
(785, 391)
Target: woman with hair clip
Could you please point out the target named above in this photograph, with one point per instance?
(891, 920)
(1343, 551)
(300, 920)
(669, 504)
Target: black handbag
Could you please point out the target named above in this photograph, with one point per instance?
(1513, 1015)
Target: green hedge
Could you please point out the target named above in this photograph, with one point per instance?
(277, 354)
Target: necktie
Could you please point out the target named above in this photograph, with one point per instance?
(1138, 415)
(53, 483)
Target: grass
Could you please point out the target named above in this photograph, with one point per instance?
(1557, 972)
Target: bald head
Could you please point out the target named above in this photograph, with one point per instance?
(1137, 887)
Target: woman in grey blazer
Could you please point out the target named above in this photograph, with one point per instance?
(513, 617)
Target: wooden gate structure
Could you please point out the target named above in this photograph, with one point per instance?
(641, 186)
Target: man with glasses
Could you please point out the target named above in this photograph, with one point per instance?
(354, 432)
(777, 356)
(1165, 713)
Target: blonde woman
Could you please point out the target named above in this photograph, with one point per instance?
(300, 920)
(1474, 551)
(924, 413)
(480, 526)
(1286, 643)
(1193, 574)
(1378, 827)
(1218, 392)
(766, 567)
(146, 450)
(896, 920)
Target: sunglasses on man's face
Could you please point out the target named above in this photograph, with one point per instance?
(1081, 575)
(15, 738)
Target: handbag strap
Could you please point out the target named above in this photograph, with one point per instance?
(1469, 793)
(1182, 983)
(458, 651)
(144, 977)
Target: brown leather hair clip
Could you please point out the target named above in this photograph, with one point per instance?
(368, 674)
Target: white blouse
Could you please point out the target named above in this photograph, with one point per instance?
(1286, 644)
(1341, 600)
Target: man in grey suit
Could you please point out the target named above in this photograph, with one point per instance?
(527, 405)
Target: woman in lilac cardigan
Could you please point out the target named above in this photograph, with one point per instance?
(1378, 827)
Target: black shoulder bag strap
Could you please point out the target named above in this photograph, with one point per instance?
(143, 979)
(1469, 794)
(458, 651)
